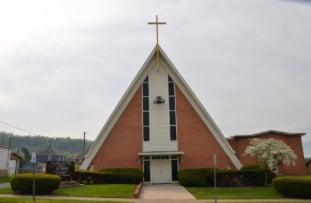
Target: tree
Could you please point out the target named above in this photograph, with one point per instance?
(271, 152)
(24, 153)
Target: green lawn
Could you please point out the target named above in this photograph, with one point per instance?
(29, 200)
(106, 190)
(5, 179)
(6, 191)
(234, 192)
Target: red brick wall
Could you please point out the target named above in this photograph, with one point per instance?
(121, 147)
(239, 145)
(195, 139)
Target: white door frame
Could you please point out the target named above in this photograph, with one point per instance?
(161, 171)
(170, 158)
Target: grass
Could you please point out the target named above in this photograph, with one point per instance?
(106, 190)
(6, 191)
(235, 192)
(4, 179)
(29, 200)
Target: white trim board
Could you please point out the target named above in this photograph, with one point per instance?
(186, 90)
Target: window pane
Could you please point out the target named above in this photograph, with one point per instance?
(146, 118)
(172, 103)
(171, 89)
(145, 89)
(146, 134)
(174, 169)
(146, 79)
(147, 171)
(145, 103)
(170, 79)
(173, 132)
(172, 118)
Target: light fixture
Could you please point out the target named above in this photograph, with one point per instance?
(159, 100)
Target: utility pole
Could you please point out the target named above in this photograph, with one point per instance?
(33, 161)
(215, 165)
(84, 133)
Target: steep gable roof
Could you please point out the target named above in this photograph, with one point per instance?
(186, 90)
(267, 132)
(47, 151)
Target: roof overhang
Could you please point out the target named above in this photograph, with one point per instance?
(154, 153)
(267, 132)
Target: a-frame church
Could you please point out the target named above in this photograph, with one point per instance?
(160, 126)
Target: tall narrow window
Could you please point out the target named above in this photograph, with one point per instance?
(146, 129)
(146, 170)
(172, 108)
(174, 169)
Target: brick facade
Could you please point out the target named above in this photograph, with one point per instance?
(195, 139)
(239, 144)
(124, 142)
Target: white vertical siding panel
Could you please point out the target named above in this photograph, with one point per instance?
(159, 113)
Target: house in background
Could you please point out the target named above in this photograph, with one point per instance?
(48, 155)
(14, 163)
(5, 153)
(293, 140)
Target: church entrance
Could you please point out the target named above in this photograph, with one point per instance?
(160, 169)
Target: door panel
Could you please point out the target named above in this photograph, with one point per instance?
(161, 171)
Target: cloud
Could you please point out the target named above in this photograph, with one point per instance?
(65, 65)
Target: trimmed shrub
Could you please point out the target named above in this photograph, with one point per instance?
(45, 183)
(257, 175)
(226, 178)
(247, 176)
(252, 167)
(90, 177)
(114, 175)
(123, 175)
(293, 186)
(195, 177)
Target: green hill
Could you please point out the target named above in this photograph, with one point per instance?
(66, 146)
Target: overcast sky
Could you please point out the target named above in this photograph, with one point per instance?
(65, 64)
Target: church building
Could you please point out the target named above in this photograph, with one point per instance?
(160, 126)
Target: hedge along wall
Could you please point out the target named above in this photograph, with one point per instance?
(247, 176)
(45, 183)
(114, 175)
(293, 186)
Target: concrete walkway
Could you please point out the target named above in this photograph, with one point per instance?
(165, 191)
(97, 199)
(4, 185)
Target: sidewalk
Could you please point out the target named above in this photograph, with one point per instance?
(165, 191)
(4, 185)
(156, 201)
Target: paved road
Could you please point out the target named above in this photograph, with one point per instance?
(95, 199)
(165, 191)
(4, 185)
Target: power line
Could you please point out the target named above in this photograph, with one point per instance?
(16, 127)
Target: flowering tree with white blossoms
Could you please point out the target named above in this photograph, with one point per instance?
(271, 152)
